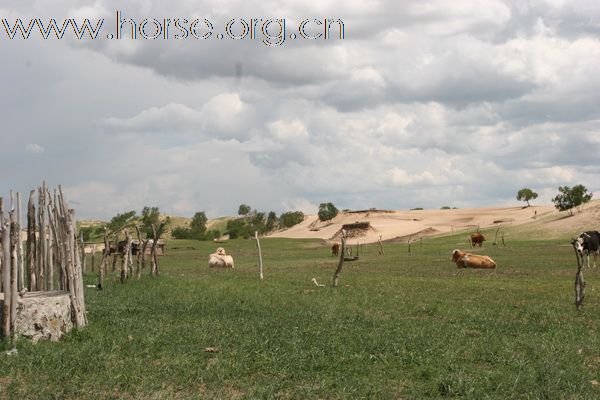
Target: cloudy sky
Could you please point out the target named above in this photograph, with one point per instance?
(421, 104)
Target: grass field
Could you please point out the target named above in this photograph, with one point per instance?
(400, 326)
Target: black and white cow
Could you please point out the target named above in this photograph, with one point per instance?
(588, 242)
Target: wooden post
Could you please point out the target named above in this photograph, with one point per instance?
(6, 332)
(126, 258)
(144, 249)
(260, 261)
(14, 242)
(57, 229)
(138, 257)
(154, 259)
(31, 242)
(21, 268)
(42, 240)
(338, 271)
(103, 263)
(74, 272)
(116, 253)
(380, 246)
(92, 257)
(579, 281)
(82, 244)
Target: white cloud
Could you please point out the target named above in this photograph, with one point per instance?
(423, 104)
(34, 148)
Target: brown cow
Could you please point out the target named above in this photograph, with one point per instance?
(476, 239)
(335, 249)
(468, 260)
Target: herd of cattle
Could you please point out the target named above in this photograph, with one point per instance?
(586, 244)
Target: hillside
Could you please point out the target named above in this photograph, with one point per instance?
(400, 226)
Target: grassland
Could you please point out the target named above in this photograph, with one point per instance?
(400, 326)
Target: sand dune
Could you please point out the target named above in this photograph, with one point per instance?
(399, 226)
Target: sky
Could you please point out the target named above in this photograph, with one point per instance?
(420, 104)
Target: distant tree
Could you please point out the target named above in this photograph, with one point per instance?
(150, 216)
(212, 234)
(239, 228)
(244, 209)
(526, 194)
(327, 211)
(91, 232)
(271, 221)
(181, 233)
(416, 209)
(120, 220)
(445, 208)
(198, 224)
(568, 198)
(291, 218)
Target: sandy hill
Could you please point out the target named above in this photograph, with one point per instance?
(400, 226)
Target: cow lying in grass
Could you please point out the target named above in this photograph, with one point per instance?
(468, 260)
(220, 260)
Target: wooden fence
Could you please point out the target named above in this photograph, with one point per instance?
(52, 260)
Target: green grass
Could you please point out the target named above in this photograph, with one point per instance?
(402, 325)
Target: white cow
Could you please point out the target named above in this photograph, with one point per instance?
(220, 259)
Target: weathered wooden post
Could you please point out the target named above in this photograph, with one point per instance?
(93, 256)
(495, 243)
(579, 281)
(154, 259)
(126, 258)
(82, 248)
(50, 252)
(380, 246)
(6, 267)
(116, 253)
(14, 268)
(260, 261)
(103, 263)
(138, 256)
(21, 268)
(338, 271)
(31, 242)
(74, 271)
(144, 249)
(42, 241)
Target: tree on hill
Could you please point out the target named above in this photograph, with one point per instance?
(197, 229)
(119, 221)
(327, 211)
(198, 224)
(568, 198)
(291, 218)
(244, 209)
(150, 216)
(526, 194)
(239, 228)
(271, 221)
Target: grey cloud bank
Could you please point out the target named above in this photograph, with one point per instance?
(423, 104)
